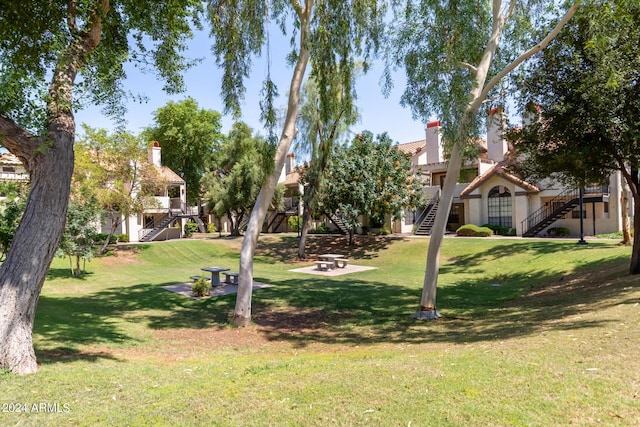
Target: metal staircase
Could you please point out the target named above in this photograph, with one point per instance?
(427, 217)
(337, 221)
(151, 233)
(554, 210)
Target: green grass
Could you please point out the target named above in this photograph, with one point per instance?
(554, 344)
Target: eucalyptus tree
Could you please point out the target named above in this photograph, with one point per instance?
(237, 174)
(49, 53)
(333, 34)
(188, 135)
(317, 137)
(585, 90)
(455, 55)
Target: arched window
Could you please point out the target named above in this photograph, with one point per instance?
(499, 204)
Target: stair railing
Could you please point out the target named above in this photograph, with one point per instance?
(548, 209)
(430, 204)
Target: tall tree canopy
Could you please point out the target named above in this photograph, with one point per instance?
(334, 35)
(316, 138)
(584, 93)
(455, 54)
(370, 178)
(50, 52)
(236, 176)
(188, 136)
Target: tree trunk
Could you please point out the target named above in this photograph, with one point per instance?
(49, 161)
(626, 229)
(476, 97)
(306, 224)
(634, 185)
(242, 312)
(115, 223)
(36, 240)
(635, 251)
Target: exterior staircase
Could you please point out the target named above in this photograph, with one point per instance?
(337, 221)
(166, 222)
(427, 217)
(559, 206)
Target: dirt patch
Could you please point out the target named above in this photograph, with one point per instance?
(122, 255)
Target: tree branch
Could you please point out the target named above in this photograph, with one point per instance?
(537, 48)
(471, 67)
(17, 140)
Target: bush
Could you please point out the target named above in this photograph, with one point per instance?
(471, 230)
(124, 238)
(211, 228)
(295, 223)
(102, 237)
(201, 287)
(558, 232)
(320, 229)
(384, 231)
(190, 228)
(498, 229)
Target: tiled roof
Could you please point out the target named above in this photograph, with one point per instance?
(499, 169)
(412, 147)
(169, 175)
(292, 178)
(9, 159)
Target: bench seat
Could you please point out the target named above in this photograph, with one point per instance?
(228, 276)
(341, 262)
(324, 265)
(194, 278)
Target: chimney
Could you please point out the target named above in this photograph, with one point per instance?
(155, 157)
(433, 136)
(496, 144)
(290, 163)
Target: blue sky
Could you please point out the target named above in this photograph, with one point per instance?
(378, 114)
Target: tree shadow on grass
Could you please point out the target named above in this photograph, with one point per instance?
(347, 309)
(286, 248)
(99, 318)
(356, 312)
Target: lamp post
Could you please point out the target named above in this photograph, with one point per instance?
(581, 205)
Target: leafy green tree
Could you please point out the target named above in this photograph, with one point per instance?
(584, 87)
(371, 177)
(80, 234)
(113, 169)
(317, 137)
(331, 34)
(188, 136)
(50, 52)
(232, 187)
(11, 209)
(455, 55)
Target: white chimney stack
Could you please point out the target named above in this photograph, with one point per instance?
(155, 157)
(433, 136)
(290, 164)
(496, 144)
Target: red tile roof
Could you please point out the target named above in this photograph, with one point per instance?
(412, 147)
(499, 169)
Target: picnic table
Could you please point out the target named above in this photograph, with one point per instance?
(215, 274)
(331, 258)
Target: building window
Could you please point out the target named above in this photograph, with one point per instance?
(499, 203)
(454, 214)
(575, 214)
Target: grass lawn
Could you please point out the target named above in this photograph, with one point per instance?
(534, 333)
